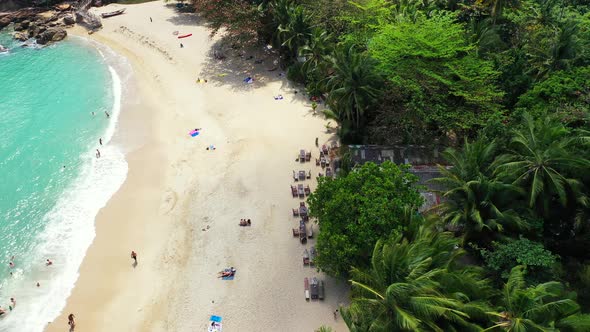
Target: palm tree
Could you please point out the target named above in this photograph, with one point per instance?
(475, 205)
(540, 308)
(297, 31)
(404, 289)
(542, 153)
(353, 85)
(316, 51)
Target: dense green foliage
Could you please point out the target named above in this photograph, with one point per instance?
(505, 84)
(356, 210)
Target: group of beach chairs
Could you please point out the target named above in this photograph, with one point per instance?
(314, 288)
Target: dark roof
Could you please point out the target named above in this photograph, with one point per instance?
(399, 154)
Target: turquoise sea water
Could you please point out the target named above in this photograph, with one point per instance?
(47, 96)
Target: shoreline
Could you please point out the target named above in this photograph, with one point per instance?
(179, 205)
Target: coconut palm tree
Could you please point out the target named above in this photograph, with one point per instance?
(404, 289)
(544, 307)
(476, 205)
(316, 51)
(297, 31)
(542, 155)
(353, 85)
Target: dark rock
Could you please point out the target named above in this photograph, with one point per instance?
(25, 24)
(18, 27)
(52, 24)
(21, 36)
(51, 35)
(4, 21)
(60, 34)
(34, 30)
(69, 20)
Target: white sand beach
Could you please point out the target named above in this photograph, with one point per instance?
(180, 206)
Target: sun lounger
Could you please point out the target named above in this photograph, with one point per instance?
(312, 255)
(329, 172)
(294, 191)
(308, 156)
(321, 290)
(305, 257)
(295, 178)
(296, 232)
(310, 231)
(301, 156)
(323, 162)
(325, 149)
(306, 288)
(309, 175)
(301, 190)
(295, 212)
(301, 176)
(307, 190)
(314, 288)
(317, 162)
(302, 232)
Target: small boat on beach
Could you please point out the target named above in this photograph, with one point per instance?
(184, 36)
(115, 13)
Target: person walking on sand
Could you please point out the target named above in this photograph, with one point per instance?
(97, 153)
(151, 19)
(134, 256)
(48, 263)
(107, 114)
(181, 46)
(12, 304)
(71, 322)
(100, 141)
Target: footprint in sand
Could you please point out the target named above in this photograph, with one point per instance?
(168, 202)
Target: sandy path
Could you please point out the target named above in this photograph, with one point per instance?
(180, 205)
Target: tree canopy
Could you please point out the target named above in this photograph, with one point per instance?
(355, 210)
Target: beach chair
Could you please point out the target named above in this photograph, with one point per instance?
(309, 175)
(329, 172)
(295, 212)
(317, 162)
(301, 191)
(310, 231)
(301, 156)
(325, 149)
(295, 178)
(302, 232)
(295, 232)
(314, 288)
(323, 162)
(308, 156)
(306, 288)
(294, 191)
(321, 290)
(307, 190)
(305, 257)
(301, 176)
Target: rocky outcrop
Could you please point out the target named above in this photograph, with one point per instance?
(62, 7)
(5, 21)
(21, 36)
(51, 35)
(69, 20)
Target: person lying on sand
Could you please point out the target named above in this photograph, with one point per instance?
(244, 222)
(227, 273)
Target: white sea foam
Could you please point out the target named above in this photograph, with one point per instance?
(69, 232)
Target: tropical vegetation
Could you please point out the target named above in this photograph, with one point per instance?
(504, 86)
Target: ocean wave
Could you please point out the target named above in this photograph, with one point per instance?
(69, 231)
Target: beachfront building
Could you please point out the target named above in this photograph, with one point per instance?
(424, 163)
